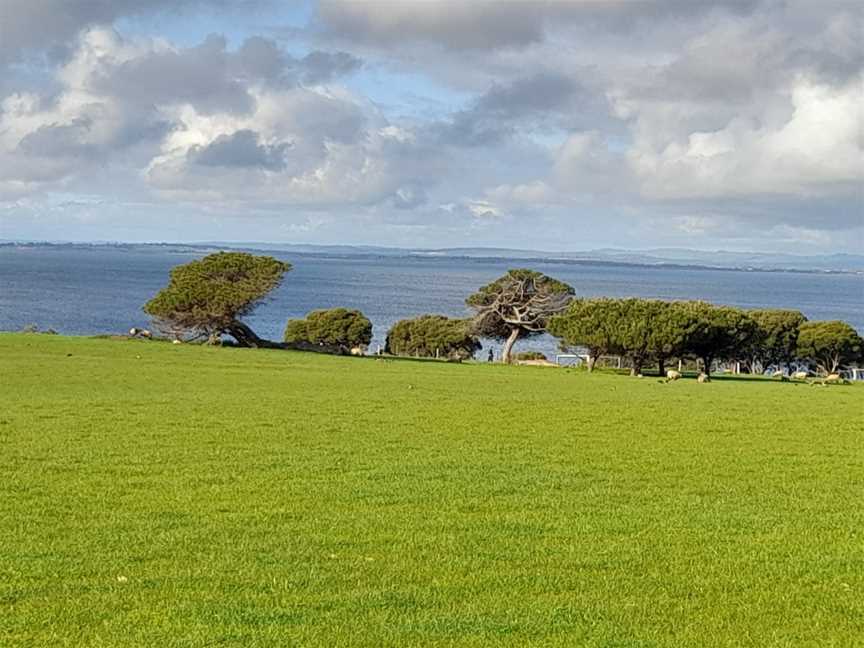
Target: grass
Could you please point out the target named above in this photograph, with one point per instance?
(160, 495)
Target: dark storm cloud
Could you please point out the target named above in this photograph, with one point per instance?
(40, 26)
(242, 149)
(321, 67)
(214, 79)
(488, 24)
(59, 140)
(544, 99)
(198, 75)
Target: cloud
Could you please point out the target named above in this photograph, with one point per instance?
(541, 101)
(727, 121)
(32, 28)
(489, 24)
(240, 149)
(203, 106)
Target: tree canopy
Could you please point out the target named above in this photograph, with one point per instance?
(589, 323)
(518, 304)
(644, 330)
(431, 336)
(776, 338)
(715, 332)
(338, 327)
(209, 296)
(830, 345)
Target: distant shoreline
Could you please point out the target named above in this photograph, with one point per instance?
(335, 252)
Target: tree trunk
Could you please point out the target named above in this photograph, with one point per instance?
(508, 345)
(591, 360)
(246, 337)
(661, 365)
(706, 365)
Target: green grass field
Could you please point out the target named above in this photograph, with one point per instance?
(160, 495)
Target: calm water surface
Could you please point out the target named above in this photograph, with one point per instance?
(82, 291)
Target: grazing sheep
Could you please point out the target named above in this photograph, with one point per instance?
(145, 333)
(833, 378)
(176, 342)
(800, 375)
(672, 375)
(703, 378)
(777, 374)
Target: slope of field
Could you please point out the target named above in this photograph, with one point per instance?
(159, 495)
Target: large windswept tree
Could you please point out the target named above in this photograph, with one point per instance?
(517, 305)
(210, 296)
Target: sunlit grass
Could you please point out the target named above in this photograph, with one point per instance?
(160, 495)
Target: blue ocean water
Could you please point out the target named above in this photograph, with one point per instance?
(84, 291)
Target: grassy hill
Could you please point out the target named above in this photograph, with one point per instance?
(184, 496)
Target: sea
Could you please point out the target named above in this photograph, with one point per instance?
(101, 289)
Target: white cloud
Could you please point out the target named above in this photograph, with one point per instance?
(817, 149)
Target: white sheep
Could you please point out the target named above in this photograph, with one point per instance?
(800, 375)
(671, 374)
(703, 378)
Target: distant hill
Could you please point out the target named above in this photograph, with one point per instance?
(763, 261)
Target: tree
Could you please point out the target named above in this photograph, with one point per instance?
(431, 336)
(592, 324)
(776, 341)
(339, 328)
(649, 329)
(670, 329)
(717, 332)
(518, 304)
(830, 345)
(209, 296)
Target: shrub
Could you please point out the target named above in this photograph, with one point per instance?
(340, 328)
(530, 355)
(431, 336)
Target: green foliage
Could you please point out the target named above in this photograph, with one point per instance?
(644, 329)
(518, 304)
(776, 340)
(278, 498)
(589, 323)
(717, 332)
(830, 345)
(209, 296)
(337, 327)
(431, 336)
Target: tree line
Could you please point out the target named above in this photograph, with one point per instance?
(208, 298)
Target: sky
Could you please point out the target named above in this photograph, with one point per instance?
(567, 125)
